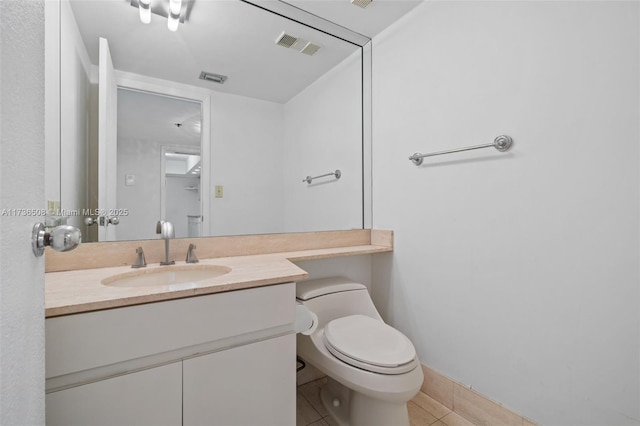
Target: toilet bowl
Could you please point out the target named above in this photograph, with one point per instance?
(372, 368)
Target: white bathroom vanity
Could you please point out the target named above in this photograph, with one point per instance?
(226, 358)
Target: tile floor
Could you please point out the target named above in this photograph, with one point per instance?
(423, 410)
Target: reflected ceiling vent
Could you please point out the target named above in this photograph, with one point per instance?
(215, 78)
(361, 3)
(310, 49)
(301, 45)
(286, 40)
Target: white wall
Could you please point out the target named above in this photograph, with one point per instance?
(139, 157)
(21, 186)
(323, 132)
(74, 121)
(246, 159)
(515, 273)
(357, 268)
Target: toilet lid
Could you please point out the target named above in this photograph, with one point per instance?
(366, 342)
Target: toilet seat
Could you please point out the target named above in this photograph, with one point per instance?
(370, 344)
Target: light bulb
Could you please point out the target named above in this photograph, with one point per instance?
(175, 6)
(172, 23)
(174, 14)
(145, 10)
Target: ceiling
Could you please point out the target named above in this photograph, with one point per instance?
(372, 20)
(157, 119)
(232, 38)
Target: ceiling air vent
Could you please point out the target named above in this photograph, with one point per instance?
(310, 49)
(216, 78)
(361, 3)
(296, 43)
(286, 40)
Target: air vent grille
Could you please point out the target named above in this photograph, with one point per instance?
(361, 3)
(286, 40)
(310, 49)
(215, 78)
(297, 43)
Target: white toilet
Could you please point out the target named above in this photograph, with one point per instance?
(372, 368)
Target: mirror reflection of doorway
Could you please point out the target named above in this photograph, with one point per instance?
(159, 143)
(180, 191)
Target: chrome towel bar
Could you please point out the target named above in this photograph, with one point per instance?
(501, 143)
(310, 179)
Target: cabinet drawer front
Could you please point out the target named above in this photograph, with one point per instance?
(248, 385)
(149, 397)
(90, 340)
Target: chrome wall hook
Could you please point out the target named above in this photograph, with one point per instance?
(61, 238)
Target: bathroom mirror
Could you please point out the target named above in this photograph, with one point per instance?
(258, 101)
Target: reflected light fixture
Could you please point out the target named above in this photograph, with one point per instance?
(176, 11)
(174, 14)
(145, 10)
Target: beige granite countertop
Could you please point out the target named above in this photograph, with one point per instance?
(77, 291)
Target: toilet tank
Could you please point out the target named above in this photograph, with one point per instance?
(335, 297)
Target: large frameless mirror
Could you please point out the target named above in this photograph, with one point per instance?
(214, 126)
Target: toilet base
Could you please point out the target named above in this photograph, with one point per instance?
(351, 408)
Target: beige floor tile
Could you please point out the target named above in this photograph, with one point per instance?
(330, 420)
(480, 410)
(438, 423)
(453, 419)
(320, 422)
(311, 391)
(308, 374)
(305, 413)
(419, 416)
(431, 405)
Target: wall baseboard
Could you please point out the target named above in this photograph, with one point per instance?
(468, 403)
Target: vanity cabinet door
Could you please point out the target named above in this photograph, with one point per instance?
(148, 397)
(248, 385)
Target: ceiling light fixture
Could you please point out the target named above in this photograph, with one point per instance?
(145, 11)
(176, 11)
(174, 14)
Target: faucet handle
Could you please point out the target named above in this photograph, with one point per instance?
(141, 262)
(191, 254)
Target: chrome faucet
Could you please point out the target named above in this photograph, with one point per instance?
(166, 231)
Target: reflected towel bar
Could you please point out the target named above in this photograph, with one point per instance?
(501, 143)
(310, 179)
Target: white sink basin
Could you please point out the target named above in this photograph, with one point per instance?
(166, 276)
